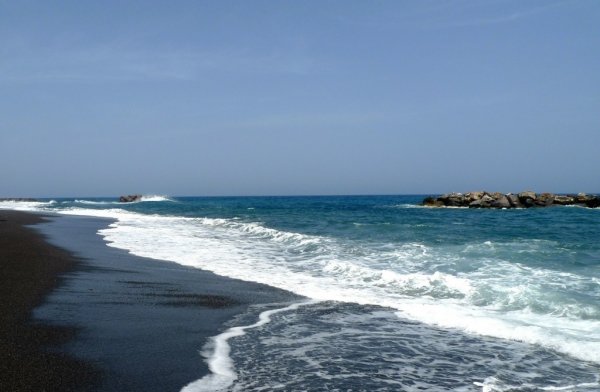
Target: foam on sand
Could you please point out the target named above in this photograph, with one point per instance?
(217, 354)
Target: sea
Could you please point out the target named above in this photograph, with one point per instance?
(395, 296)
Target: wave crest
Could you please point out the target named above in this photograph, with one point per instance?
(25, 205)
(156, 198)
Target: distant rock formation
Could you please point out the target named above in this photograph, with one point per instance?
(130, 198)
(521, 200)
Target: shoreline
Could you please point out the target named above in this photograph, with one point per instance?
(140, 322)
(144, 321)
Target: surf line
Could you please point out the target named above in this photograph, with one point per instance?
(222, 370)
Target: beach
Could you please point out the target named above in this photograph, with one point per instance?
(31, 268)
(97, 318)
(305, 293)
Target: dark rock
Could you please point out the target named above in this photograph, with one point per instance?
(130, 198)
(544, 200)
(514, 201)
(501, 202)
(429, 201)
(432, 202)
(564, 200)
(475, 204)
(581, 198)
(593, 202)
(453, 199)
(486, 200)
(527, 198)
(473, 196)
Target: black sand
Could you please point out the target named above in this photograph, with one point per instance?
(138, 323)
(30, 268)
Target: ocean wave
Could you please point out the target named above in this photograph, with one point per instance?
(93, 202)
(498, 298)
(575, 337)
(406, 205)
(339, 346)
(474, 287)
(155, 198)
(26, 205)
(259, 231)
(492, 384)
(437, 284)
(114, 213)
(144, 198)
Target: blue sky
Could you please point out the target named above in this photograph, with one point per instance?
(298, 97)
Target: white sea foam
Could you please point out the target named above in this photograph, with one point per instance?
(144, 198)
(578, 338)
(492, 384)
(338, 347)
(591, 386)
(94, 202)
(25, 205)
(217, 354)
(156, 198)
(408, 206)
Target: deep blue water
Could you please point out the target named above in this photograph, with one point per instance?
(403, 297)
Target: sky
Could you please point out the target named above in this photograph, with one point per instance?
(298, 97)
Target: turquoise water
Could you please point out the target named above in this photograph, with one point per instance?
(402, 297)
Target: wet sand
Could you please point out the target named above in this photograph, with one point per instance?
(31, 268)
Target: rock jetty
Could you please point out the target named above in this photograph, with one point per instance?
(130, 198)
(526, 199)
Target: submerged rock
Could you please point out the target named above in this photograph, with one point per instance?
(527, 199)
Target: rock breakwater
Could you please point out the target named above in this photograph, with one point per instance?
(528, 199)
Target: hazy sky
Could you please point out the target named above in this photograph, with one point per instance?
(298, 97)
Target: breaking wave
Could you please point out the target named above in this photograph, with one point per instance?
(477, 290)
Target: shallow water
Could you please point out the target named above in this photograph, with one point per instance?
(333, 346)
